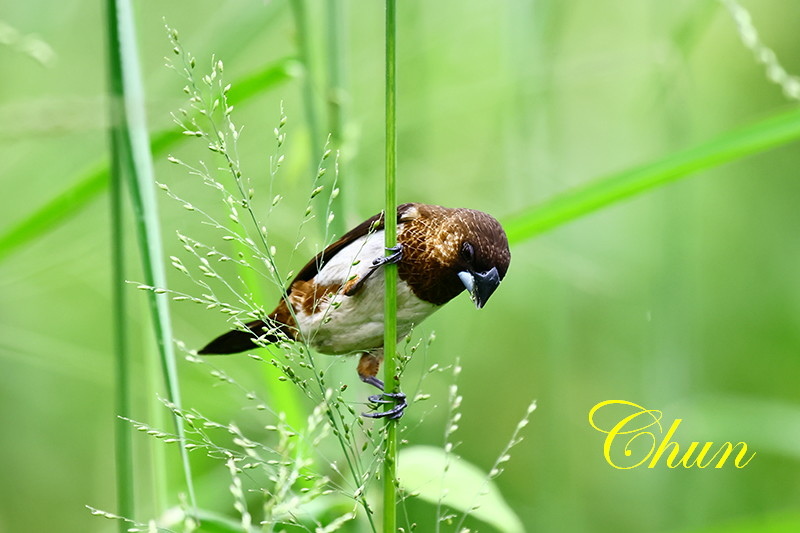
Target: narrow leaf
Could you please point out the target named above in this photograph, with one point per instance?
(123, 438)
(93, 182)
(762, 136)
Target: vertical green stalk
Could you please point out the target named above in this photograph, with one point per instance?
(122, 401)
(131, 152)
(123, 440)
(391, 379)
(304, 53)
(336, 98)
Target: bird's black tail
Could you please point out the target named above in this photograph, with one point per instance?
(237, 340)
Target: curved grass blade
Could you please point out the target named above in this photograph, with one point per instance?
(737, 144)
(93, 182)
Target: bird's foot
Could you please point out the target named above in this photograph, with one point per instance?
(387, 398)
(394, 257)
(372, 380)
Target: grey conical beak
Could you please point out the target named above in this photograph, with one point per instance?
(480, 285)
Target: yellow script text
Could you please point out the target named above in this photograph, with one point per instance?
(641, 432)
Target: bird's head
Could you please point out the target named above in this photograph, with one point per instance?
(483, 254)
(447, 250)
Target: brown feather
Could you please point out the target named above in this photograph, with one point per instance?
(432, 249)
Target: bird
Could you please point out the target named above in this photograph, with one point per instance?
(335, 303)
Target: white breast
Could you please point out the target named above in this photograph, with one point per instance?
(354, 259)
(342, 324)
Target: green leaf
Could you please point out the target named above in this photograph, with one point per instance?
(755, 138)
(421, 471)
(94, 181)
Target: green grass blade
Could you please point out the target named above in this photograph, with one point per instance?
(336, 97)
(93, 182)
(390, 302)
(759, 137)
(54, 212)
(269, 77)
(312, 114)
(123, 438)
(303, 31)
(135, 161)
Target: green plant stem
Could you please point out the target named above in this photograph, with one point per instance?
(123, 440)
(336, 96)
(736, 144)
(301, 24)
(391, 379)
(132, 151)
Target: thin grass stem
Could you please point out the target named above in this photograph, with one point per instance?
(304, 53)
(123, 441)
(391, 379)
(336, 96)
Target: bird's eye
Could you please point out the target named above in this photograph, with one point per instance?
(467, 252)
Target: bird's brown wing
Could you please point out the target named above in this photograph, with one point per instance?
(373, 223)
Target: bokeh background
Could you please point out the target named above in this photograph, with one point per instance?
(685, 299)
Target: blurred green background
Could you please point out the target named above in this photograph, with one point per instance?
(685, 299)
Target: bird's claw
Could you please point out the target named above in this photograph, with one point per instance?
(394, 257)
(384, 399)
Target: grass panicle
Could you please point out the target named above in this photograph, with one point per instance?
(457, 489)
(454, 400)
(209, 119)
(763, 54)
(30, 45)
(497, 468)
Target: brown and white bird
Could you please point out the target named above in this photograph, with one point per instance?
(335, 303)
